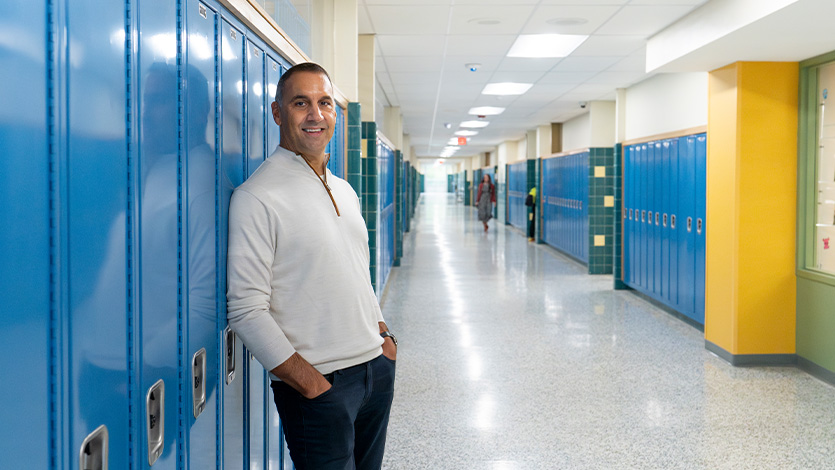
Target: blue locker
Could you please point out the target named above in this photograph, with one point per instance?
(687, 203)
(158, 231)
(95, 217)
(652, 210)
(274, 72)
(232, 175)
(657, 172)
(201, 269)
(25, 270)
(701, 226)
(671, 198)
(626, 197)
(643, 196)
(257, 393)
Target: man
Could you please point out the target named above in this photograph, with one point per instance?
(299, 289)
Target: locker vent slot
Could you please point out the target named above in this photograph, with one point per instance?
(93, 453)
(198, 375)
(155, 408)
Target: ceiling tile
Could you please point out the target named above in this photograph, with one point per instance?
(495, 45)
(643, 20)
(470, 19)
(411, 45)
(422, 19)
(610, 46)
(558, 19)
(585, 64)
(519, 64)
(431, 63)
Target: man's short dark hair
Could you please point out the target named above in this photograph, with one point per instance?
(303, 67)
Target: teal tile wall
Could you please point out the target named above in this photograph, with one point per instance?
(601, 215)
(354, 148)
(369, 196)
(617, 248)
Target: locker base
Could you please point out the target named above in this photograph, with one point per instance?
(669, 310)
(750, 360)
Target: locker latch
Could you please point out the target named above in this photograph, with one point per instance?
(93, 454)
(656, 219)
(198, 387)
(155, 409)
(630, 214)
(690, 224)
(624, 213)
(665, 220)
(699, 226)
(673, 221)
(643, 216)
(230, 355)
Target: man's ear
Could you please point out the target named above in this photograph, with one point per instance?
(276, 113)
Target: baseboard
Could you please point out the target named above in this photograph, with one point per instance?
(671, 311)
(815, 370)
(751, 360)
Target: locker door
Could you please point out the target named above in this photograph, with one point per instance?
(256, 124)
(158, 230)
(25, 266)
(255, 373)
(201, 355)
(96, 208)
(652, 209)
(657, 219)
(671, 265)
(274, 71)
(701, 226)
(687, 203)
(664, 171)
(646, 199)
(232, 175)
(626, 249)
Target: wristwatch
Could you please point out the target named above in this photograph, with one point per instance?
(387, 334)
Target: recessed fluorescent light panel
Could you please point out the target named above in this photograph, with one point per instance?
(466, 133)
(452, 141)
(486, 111)
(474, 124)
(506, 88)
(545, 45)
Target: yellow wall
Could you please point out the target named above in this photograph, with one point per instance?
(751, 208)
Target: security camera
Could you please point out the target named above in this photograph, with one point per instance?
(583, 104)
(472, 67)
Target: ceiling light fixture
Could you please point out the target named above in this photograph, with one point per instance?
(466, 133)
(506, 88)
(475, 124)
(486, 111)
(567, 21)
(545, 45)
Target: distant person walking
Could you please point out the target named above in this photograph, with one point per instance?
(485, 199)
(530, 201)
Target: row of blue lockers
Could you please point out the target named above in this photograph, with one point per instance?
(664, 222)
(387, 225)
(124, 128)
(564, 204)
(517, 191)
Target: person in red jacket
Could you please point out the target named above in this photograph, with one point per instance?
(485, 199)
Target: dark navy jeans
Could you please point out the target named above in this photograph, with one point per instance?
(343, 428)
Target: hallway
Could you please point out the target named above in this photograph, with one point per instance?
(511, 357)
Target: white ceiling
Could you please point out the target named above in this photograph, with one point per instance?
(422, 47)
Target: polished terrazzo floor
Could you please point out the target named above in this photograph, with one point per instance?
(511, 357)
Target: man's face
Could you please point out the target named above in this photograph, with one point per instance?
(306, 114)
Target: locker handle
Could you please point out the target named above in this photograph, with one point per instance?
(624, 213)
(93, 453)
(643, 216)
(656, 219)
(699, 226)
(690, 224)
(630, 214)
(649, 217)
(230, 355)
(673, 221)
(665, 220)
(155, 420)
(198, 387)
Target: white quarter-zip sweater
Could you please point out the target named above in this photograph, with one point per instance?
(298, 274)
